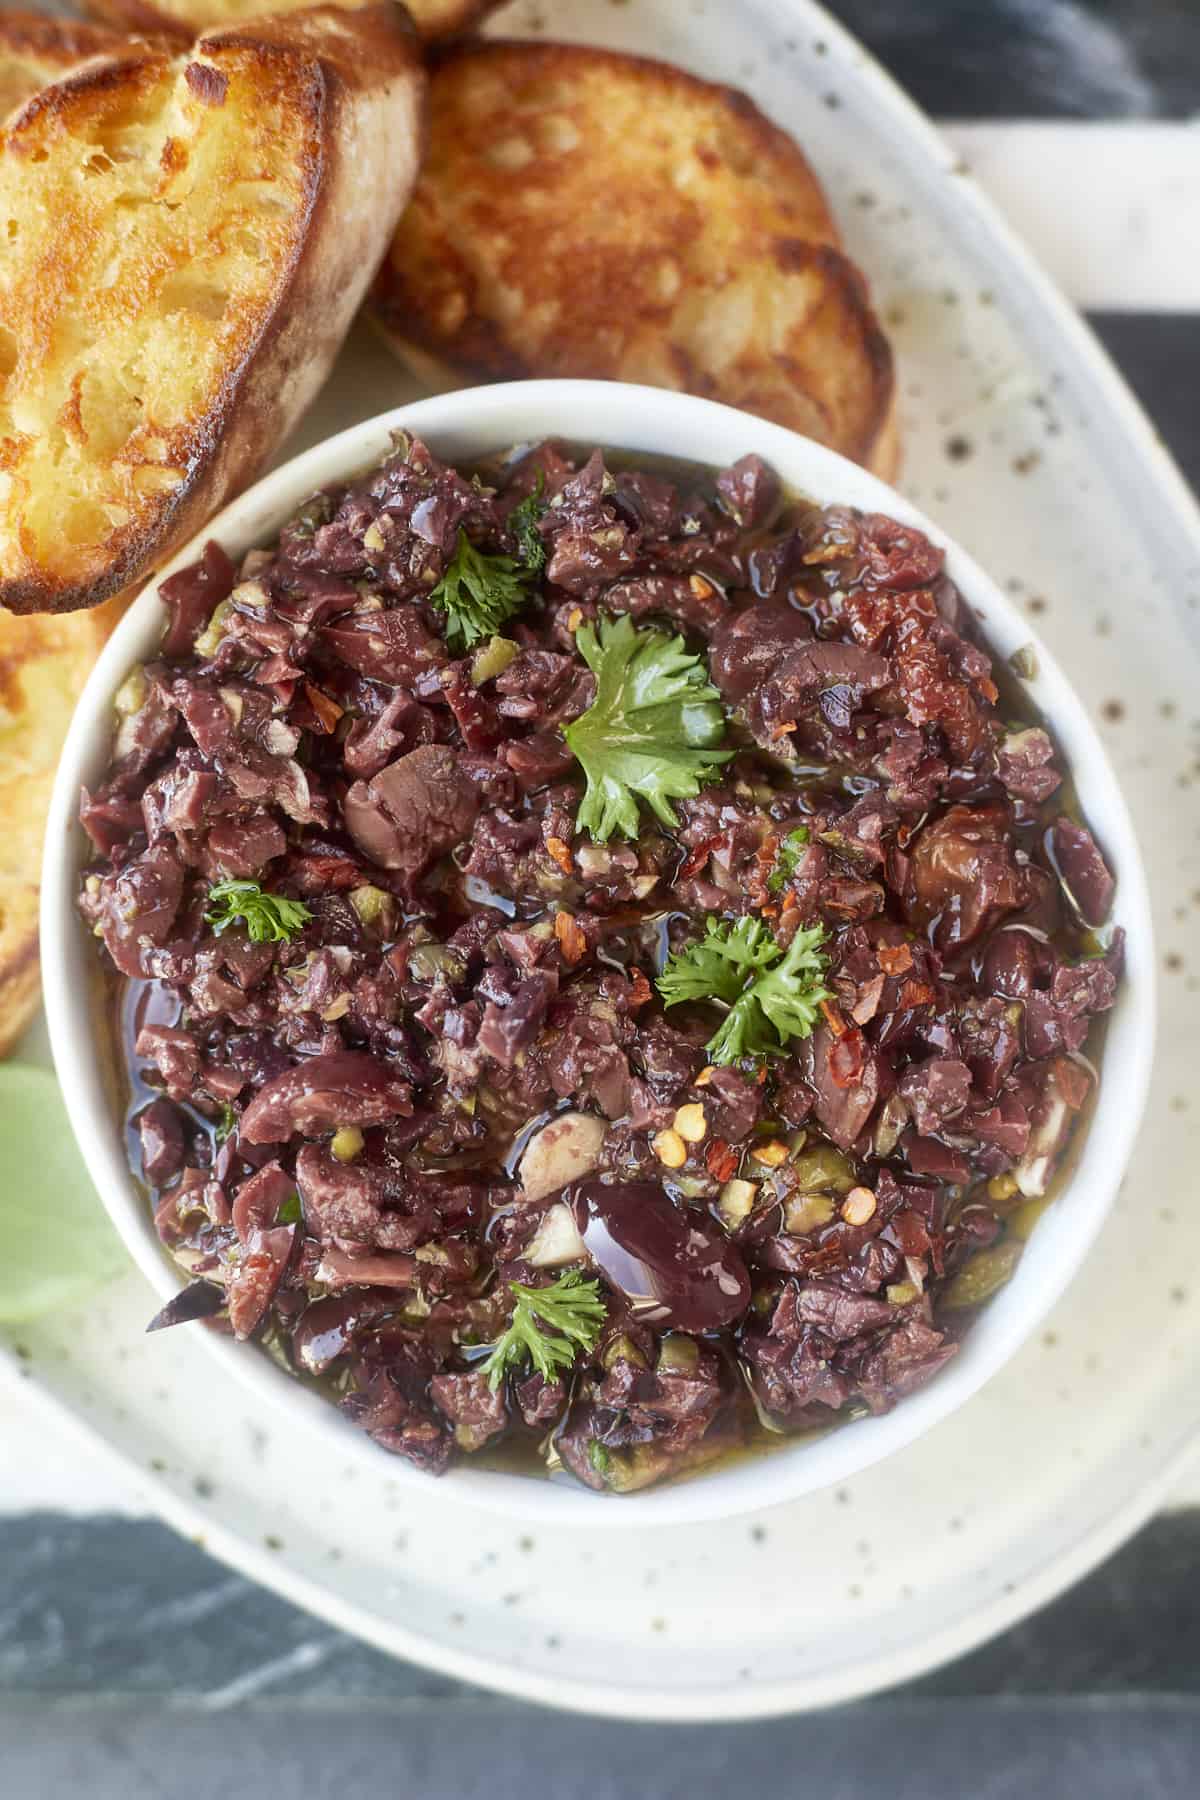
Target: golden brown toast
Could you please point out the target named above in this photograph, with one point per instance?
(586, 213)
(43, 665)
(36, 50)
(435, 20)
(187, 237)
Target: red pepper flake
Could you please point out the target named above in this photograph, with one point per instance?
(702, 589)
(720, 1161)
(833, 1018)
(827, 1256)
(916, 993)
(782, 730)
(829, 551)
(1074, 1082)
(761, 1076)
(894, 959)
(561, 852)
(764, 862)
(327, 711)
(700, 855)
(847, 1059)
(571, 940)
(639, 989)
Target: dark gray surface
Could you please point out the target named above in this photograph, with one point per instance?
(1052, 1749)
(1159, 357)
(1037, 58)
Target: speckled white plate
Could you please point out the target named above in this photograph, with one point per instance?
(1023, 441)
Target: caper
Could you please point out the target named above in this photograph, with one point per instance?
(346, 1143)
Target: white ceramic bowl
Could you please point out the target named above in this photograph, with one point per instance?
(468, 424)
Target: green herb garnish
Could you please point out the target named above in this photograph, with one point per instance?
(790, 852)
(771, 994)
(289, 1213)
(652, 731)
(478, 592)
(523, 523)
(268, 918)
(226, 1125)
(570, 1306)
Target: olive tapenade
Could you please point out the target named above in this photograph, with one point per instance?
(605, 960)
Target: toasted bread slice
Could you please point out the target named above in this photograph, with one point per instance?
(435, 20)
(43, 665)
(586, 213)
(187, 238)
(36, 50)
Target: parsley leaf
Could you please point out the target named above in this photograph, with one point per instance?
(523, 522)
(716, 967)
(478, 592)
(652, 730)
(771, 994)
(268, 918)
(570, 1306)
(790, 852)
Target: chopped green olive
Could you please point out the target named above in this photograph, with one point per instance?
(807, 1212)
(492, 658)
(428, 961)
(374, 906)
(983, 1276)
(823, 1170)
(209, 640)
(678, 1355)
(621, 1349)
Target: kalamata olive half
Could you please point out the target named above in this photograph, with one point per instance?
(652, 1250)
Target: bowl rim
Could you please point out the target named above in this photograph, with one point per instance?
(473, 421)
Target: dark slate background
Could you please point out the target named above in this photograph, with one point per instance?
(132, 1667)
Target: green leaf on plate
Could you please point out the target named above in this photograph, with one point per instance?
(55, 1239)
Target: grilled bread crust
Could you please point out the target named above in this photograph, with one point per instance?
(435, 20)
(43, 665)
(190, 233)
(36, 50)
(585, 213)
(43, 661)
